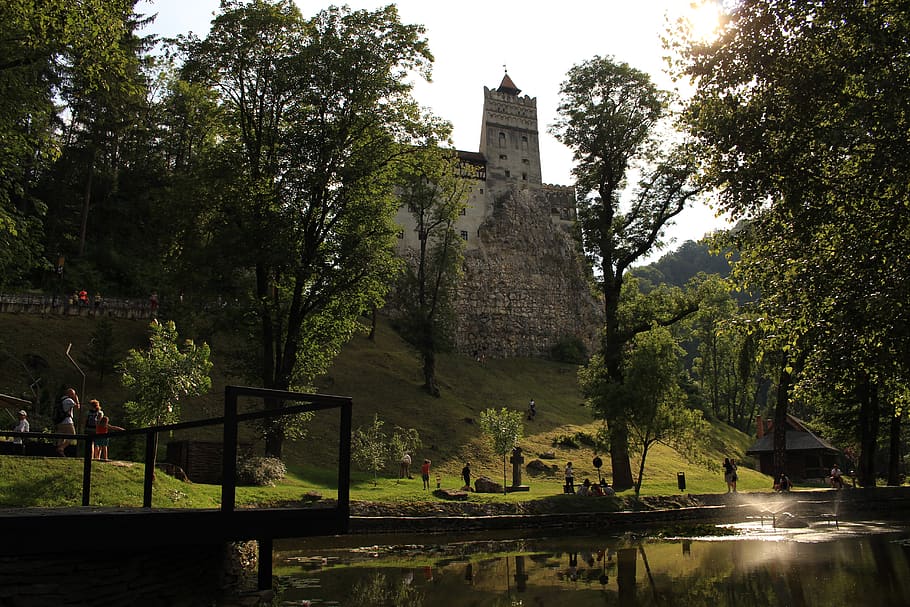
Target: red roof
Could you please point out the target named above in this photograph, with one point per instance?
(507, 86)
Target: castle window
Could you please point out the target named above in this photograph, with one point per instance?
(463, 211)
(508, 173)
(464, 234)
(524, 176)
(481, 190)
(502, 140)
(503, 157)
(400, 234)
(524, 143)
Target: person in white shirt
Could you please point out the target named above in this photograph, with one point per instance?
(69, 404)
(22, 426)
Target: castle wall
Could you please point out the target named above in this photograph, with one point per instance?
(523, 287)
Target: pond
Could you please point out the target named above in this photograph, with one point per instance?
(752, 564)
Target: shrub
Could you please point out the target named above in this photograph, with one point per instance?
(566, 441)
(260, 471)
(569, 349)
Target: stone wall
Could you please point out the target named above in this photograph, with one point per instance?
(524, 286)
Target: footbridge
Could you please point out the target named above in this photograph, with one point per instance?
(61, 531)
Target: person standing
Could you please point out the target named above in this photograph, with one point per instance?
(425, 473)
(22, 426)
(92, 417)
(837, 479)
(728, 473)
(69, 404)
(466, 475)
(570, 478)
(103, 441)
(404, 466)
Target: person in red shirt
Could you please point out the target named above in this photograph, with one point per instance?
(425, 473)
(101, 439)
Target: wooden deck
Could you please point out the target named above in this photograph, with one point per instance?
(42, 530)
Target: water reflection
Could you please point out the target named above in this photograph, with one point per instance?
(854, 564)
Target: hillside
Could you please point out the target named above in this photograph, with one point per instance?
(383, 377)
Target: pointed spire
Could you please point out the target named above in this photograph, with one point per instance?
(507, 86)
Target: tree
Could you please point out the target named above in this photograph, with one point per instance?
(433, 194)
(797, 113)
(43, 45)
(161, 375)
(372, 448)
(610, 117)
(657, 411)
(503, 429)
(99, 356)
(321, 111)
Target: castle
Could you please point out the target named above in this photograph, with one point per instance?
(524, 286)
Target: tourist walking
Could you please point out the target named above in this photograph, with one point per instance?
(21, 426)
(466, 475)
(837, 479)
(64, 422)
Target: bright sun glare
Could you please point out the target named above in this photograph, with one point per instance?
(704, 19)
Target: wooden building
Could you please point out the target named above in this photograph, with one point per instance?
(808, 455)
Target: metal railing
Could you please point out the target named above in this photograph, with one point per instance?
(230, 422)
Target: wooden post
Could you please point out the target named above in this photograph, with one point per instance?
(344, 466)
(86, 473)
(149, 469)
(229, 451)
(265, 564)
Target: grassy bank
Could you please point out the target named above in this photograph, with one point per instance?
(382, 376)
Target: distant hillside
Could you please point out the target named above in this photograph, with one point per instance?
(677, 267)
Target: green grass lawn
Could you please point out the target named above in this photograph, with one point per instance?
(383, 377)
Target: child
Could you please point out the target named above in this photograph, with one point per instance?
(101, 439)
(91, 423)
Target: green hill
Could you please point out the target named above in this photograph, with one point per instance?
(383, 377)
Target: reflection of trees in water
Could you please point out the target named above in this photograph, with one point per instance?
(379, 591)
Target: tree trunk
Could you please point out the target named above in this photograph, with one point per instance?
(894, 459)
(429, 372)
(780, 421)
(86, 205)
(619, 456)
(868, 428)
(274, 440)
(641, 470)
(372, 336)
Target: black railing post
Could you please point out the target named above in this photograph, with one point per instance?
(149, 468)
(265, 564)
(87, 473)
(229, 451)
(344, 464)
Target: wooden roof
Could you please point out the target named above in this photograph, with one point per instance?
(799, 438)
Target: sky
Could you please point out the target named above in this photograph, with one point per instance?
(474, 41)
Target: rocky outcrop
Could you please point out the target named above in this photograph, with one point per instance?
(524, 286)
(486, 485)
